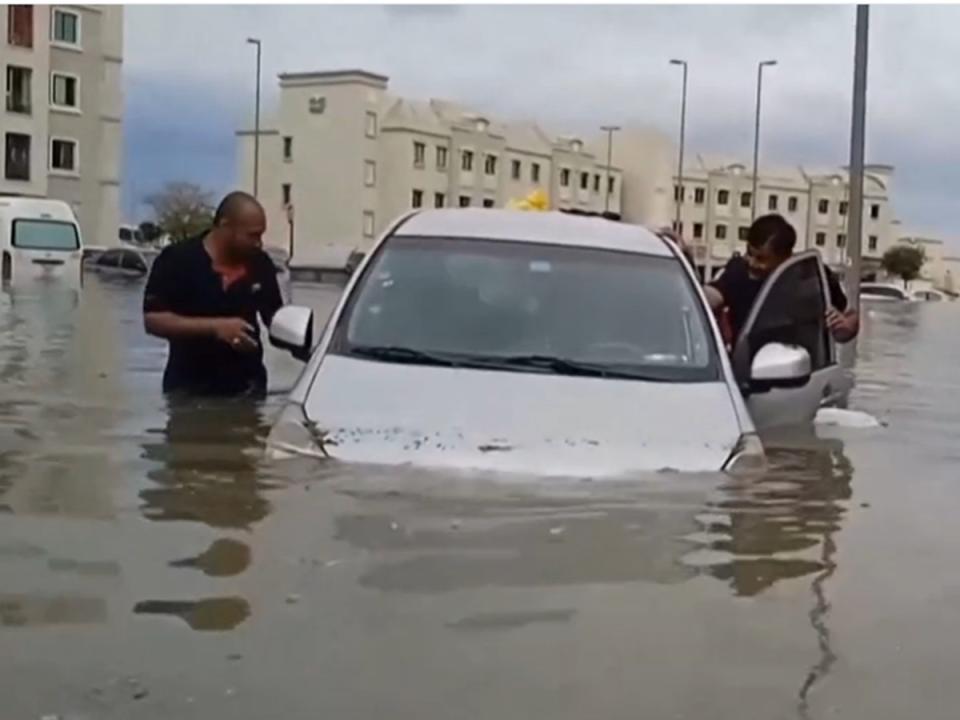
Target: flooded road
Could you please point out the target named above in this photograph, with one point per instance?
(153, 565)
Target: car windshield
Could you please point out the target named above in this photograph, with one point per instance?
(529, 306)
(45, 235)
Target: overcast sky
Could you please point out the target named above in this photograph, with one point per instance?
(190, 76)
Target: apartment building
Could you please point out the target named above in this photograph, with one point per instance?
(342, 158)
(716, 201)
(61, 122)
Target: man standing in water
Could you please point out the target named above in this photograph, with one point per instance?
(204, 295)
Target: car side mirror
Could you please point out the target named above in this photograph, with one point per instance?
(779, 366)
(292, 330)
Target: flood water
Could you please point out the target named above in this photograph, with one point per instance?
(153, 565)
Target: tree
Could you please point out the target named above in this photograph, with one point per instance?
(182, 209)
(904, 261)
(150, 231)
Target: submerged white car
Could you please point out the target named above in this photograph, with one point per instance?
(550, 344)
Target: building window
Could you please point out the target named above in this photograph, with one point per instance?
(841, 240)
(872, 243)
(464, 201)
(18, 89)
(874, 212)
(20, 25)
(417, 199)
(584, 181)
(699, 196)
(792, 203)
(565, 177)
(742, 232)
(371, 125)
(288, 149)
(723, 198)
(697, 231)
(439, 200)
(369, 173)
(16, 157)
(368, 223)
(64, 91)
(490, 165)
(746, 199)
(611, 184)
(63, 155)
(721, 232)
(66, 27)
(419, 154)
(286, 194)
(843, 207)
(823, 206)
(821, 239)
(488, 202)
(535, 172)
(596, 183)
(466, 160)
(441, 158)
(678, 226)
(678, 192)
(515, 169)
(772, 202)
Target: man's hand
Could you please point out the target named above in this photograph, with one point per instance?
(843, 326)
(236, 332)
(676, 237)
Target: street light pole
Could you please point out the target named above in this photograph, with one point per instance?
(683, 131)
(857, 133)
(756, 137)
(256, 124)
(609, 130)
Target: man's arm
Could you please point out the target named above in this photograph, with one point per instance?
(271, 299)
(842, 321)
(160, 320)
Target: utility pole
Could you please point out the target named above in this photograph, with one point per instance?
(256, 124)
(756, 137)
(609, 130)
(857, 137)
(679, 190)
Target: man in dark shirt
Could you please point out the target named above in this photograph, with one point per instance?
(770, 242)
(204, 296)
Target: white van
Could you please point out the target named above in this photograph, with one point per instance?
(39, 241)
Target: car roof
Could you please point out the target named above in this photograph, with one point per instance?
(554, 228)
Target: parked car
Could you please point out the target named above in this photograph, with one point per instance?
(883, 292)
(40, 239)
(928, 295)
(122, 262)
(553, 344)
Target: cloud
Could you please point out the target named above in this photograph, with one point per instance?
(189, 77)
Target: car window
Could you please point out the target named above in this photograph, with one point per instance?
(132, 261)
(45, 235)
(791, 309)
(881, 291)
(496, 299)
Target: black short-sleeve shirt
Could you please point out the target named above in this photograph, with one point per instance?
(183, 281)
(740, 290)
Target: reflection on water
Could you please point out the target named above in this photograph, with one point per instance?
(208, 614)
(167, 514)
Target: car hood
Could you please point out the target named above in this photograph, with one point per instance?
(384, 413)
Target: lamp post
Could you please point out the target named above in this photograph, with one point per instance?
(756, 137)
(609, 130)
(683, 130)
(857, 131)
(256, 124)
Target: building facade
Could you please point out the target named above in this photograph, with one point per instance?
(61, 129)
(343, 158)
(715, 199)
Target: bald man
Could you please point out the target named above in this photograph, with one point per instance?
(204, 295)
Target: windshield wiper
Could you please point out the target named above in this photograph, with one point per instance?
(397, 354)
(557, 365)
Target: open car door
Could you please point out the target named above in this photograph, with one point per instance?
(791, 310)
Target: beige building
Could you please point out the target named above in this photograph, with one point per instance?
(343, 158)
(716, 199)
(61, 129)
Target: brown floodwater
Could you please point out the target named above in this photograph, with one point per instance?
(153, 565)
